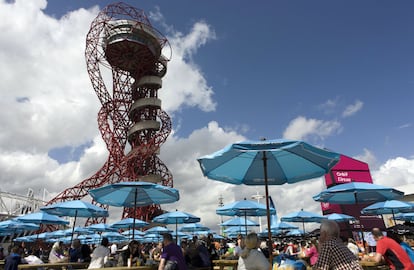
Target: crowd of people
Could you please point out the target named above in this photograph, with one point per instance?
(328, 251)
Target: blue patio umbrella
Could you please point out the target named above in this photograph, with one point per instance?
(134, 194)
(158, 229)
(152, 237)
(18, 226)
(12, 226)
(75, 208)
(193, 227)
(90, 238)
(244, 208)
(130, 233)
(114, 236)
(59, 233)
(26, 239)
(42, 218)
(181, 235)
(388, 207)
(357, 192)
(239, 221)
(302, 217)
(176, 217)
(43, 235)
(283, 226)
(295, 233)
(128, 223)
(405, 216)
(236, 230)
(340, 217)
(268, 162)
(101, 227)
(78, 230)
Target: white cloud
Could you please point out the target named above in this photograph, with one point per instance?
(185, 84)
(302, 128)
(353, 108)
(368, 157)
(395, 172)
(329, 106)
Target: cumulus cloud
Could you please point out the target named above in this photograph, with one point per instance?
(353, 108)
(302, 128)
(185, 84)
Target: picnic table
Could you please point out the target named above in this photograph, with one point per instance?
(62, 265)
(369, 265)
(226, 263)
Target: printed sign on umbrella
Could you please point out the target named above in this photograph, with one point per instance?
(134, 194)
(272, 162)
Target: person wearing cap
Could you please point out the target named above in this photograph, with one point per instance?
(251, 258)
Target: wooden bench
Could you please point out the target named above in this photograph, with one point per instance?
(66, 265)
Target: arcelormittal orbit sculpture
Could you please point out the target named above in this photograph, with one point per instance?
(122, 42)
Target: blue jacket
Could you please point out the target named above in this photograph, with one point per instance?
(12, 261)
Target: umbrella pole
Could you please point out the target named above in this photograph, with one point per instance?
(360, 225)
(73, 228)
(269, 232)
(393, 217)
(135, 212)
(303, 226)
(245, 223)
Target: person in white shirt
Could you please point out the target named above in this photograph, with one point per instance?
(114, 248)
(251, 257)
(100, 255)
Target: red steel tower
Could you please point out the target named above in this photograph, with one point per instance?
(121, 42)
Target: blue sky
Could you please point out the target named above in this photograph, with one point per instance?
(272, 62)
(338, 74)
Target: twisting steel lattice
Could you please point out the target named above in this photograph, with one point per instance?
(121, 40)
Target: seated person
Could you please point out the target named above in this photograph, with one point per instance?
(14, 258)
(86, 252)
(32, 259)
(156, 252)
(133, 253)
(56, 254)
(75, 251)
